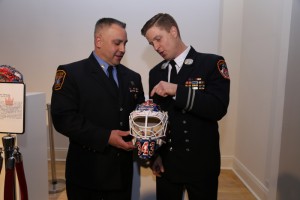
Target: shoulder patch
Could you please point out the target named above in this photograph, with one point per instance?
(222, 67)
(59, 79)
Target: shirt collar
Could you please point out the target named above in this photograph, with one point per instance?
(180, 59)
(101, 62)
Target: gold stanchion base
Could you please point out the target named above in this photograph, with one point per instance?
(57, 186)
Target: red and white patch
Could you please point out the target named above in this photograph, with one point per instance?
(222, 67)
(59, 79)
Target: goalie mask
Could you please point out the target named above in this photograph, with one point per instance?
(148, 126)
(10, 74)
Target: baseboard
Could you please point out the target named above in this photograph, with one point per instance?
(255, 186)
(60, 154)
(226, 162)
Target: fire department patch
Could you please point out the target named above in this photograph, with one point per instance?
(223, 69)
(59, 79)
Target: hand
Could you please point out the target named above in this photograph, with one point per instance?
(116, 140)
(164, 89)
(157, 167)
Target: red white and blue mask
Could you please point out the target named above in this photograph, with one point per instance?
(148, 126)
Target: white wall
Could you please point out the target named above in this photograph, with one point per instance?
(264, 51)
(289, 163)
(230, 47)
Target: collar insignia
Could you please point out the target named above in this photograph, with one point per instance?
(188, 61)
(165, 65)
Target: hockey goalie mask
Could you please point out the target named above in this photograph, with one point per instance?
(147, 126)
(10, 74)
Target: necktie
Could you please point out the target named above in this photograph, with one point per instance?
(173, 77)
(111, 76)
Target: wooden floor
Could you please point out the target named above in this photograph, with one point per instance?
(230, 187)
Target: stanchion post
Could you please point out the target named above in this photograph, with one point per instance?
(55, 185)
(9, 147)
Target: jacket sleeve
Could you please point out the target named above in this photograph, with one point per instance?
(66, 116)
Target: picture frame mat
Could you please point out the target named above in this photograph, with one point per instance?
(12, 107)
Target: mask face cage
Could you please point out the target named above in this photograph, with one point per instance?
(148, 126)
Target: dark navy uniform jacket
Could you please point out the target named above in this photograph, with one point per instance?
(85, 107)
(192, 148)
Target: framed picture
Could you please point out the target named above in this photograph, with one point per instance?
(12, 108)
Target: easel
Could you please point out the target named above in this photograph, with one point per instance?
(12, 104)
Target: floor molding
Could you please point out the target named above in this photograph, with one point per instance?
(60, 154)
(226, 162)
(256, 187)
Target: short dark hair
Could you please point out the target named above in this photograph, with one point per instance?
(108, 22)
(162, 20)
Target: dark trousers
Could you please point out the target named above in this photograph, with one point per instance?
(75, 192)
(202, 190)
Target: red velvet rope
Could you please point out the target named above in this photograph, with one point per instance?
(22, 181)
(9, 184)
